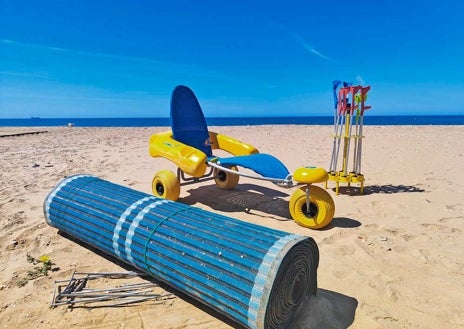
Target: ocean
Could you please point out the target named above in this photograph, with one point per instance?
(415, 120)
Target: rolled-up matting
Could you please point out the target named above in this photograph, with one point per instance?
(252, 274)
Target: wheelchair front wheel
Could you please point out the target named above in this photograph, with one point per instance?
(166, 185)
(320, 211)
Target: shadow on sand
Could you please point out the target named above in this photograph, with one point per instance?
(391, 189)
(248, 198)
(327, 310)
(254, 200)
(343, 222)
(378, 189)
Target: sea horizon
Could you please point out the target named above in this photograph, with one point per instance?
(232, 121)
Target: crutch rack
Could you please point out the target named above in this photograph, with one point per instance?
(348, 135)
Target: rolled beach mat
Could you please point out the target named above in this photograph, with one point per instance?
(254, 275)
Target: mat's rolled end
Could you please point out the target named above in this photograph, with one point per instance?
(254, 275)
(286, 276)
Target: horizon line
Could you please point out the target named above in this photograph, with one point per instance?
(36, 117)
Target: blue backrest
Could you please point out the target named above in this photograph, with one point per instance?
(188, 123)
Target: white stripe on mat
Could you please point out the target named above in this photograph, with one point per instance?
(135, 224)
(122, 220)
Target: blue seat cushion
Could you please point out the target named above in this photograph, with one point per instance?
(264, 164)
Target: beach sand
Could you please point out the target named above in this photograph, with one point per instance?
(391, 258)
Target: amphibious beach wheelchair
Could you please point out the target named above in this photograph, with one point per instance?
(190, 146)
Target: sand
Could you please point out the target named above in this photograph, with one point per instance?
(391, 258)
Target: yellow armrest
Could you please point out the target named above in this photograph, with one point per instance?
(189, 159)
(230, 144)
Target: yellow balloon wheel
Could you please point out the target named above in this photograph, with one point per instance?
(225, 180)
(321, 207)
(166, 185)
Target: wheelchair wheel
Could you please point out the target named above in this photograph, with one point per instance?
(225, 180)
(166, 185)
(321, 207)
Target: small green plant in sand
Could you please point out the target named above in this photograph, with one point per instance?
(38, 271)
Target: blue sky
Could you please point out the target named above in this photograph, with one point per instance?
(241, 58)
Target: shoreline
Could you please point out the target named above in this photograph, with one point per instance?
(369, 120)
